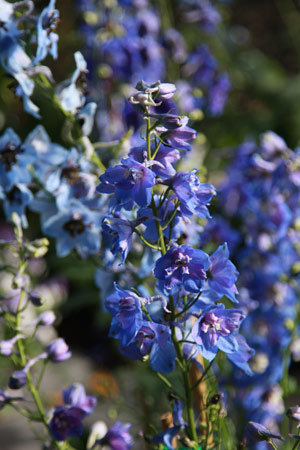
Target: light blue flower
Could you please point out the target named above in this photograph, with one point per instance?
(46, 37)
(75, 228)
(14, 159)
(70, 93)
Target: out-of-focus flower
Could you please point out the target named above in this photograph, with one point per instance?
(117, 437)
(66, 422)
(58, 350)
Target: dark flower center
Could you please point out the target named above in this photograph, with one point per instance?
(8, 155)
(74, 226)
(71, 173)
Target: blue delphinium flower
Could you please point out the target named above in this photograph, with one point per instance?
(16, 199)
(202, 12)
(66, 422)
(153, 340)
(15, 61)
(182, 266)
(165, 156)
(14, 159)
(165, 212)
(117, 437)
(130, 182)
(166, 437)
(217, 329)
(75, 396)
(71, 93)
(76, 228)
(222, 274)
(126, 310)
(178, 137)
(259, 432)
(193, 195)
(58, 350)
(46, 36)
(49, 154)
(121, 232)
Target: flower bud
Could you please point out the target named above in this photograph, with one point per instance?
(46, 318)
(58, 350)
(294, 413)
(6, 346)
(17, 379)
(35, 298)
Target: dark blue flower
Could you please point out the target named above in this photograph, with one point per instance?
(126, 310)
(165, 211)
(181, 267)
(66, 422)
(17, 379)
(193, 195)
(129, 181)
(166, 437)
(154, 340)
(217, 329)
(222, 274)
(178, 137)
(121, 232)
(165, 156)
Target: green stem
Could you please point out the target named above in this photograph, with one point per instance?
(185, 375)
(172, 216)
(273, 445)
(202, 376)
(156, 150)
(296, 445)
(148, 138)
(31, 387)
(155, 247)
(159, 229)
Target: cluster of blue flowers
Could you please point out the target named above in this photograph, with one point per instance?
(144, 222)
(129, 41)
(177, 310)
(260, 201)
